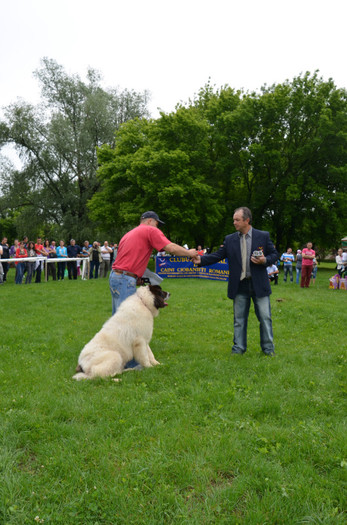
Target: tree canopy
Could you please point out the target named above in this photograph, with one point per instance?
(93, 161)
(57, 142)
(282, 152)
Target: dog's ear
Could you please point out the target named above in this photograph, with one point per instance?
(155, 288)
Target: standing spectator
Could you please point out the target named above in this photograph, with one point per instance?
(288, 259)
(249, 252)
(39, 253)
(84, 253)
(61, 252)
(307, 265)
(298, 265)
(114, 252)
(95, 260)
(339, 262)
(51, 267)
(20, 253)
(106, 252)
(30, 264)
(273, 272)
(13, 248)
(72, 251)
(5, 255)
(344, 261)
(46, 250)
(314, 271)
(85, 249)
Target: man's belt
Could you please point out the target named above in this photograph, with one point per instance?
(123, 272)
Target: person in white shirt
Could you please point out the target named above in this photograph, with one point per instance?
(344, 262)
(106, 252)
(273, 272)
(339, 262)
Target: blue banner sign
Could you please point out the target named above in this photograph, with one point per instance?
(173, 267)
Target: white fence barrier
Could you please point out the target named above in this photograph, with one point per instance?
(46, 261)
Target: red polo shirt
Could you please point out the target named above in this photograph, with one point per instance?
(136, 247)
(38, 248)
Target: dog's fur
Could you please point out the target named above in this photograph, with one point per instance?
(125, 336)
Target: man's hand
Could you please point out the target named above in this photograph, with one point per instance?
(192, 253)
(258, 260)
(196, 259)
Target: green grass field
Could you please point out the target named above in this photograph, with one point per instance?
(204, 438)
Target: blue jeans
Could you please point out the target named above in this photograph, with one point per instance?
(19, 273)
(121, 286)
(298, 275)
(94, 264)
(61, 270)
(286, 270)
(262, 308)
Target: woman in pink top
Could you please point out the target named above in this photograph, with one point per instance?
(307, 265)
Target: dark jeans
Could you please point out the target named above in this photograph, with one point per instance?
(61, 270)
(288, 269)
(72, 269)
(94, 264)
(30, 272)
(38, 273)
(51, 270)
(274, 278)
(5, 267)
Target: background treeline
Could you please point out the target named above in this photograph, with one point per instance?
(93, 160)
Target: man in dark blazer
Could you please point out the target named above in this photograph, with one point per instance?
(249, 252)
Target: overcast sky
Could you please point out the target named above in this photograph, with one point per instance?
(171, 47)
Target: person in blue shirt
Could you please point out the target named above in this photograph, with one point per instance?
(61, 254)
(288, 259)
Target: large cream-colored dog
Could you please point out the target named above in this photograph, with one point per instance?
(125, 336)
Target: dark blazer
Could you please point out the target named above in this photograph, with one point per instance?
(232, 251)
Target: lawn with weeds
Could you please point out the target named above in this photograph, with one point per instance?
(204, 438)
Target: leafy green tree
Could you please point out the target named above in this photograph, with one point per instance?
(57, 143)
(281, 151)
(163, 165)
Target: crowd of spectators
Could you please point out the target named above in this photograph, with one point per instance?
(98, 259)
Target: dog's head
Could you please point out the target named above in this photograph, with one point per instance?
(160, 296)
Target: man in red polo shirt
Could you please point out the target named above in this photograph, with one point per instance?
(134, 252)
